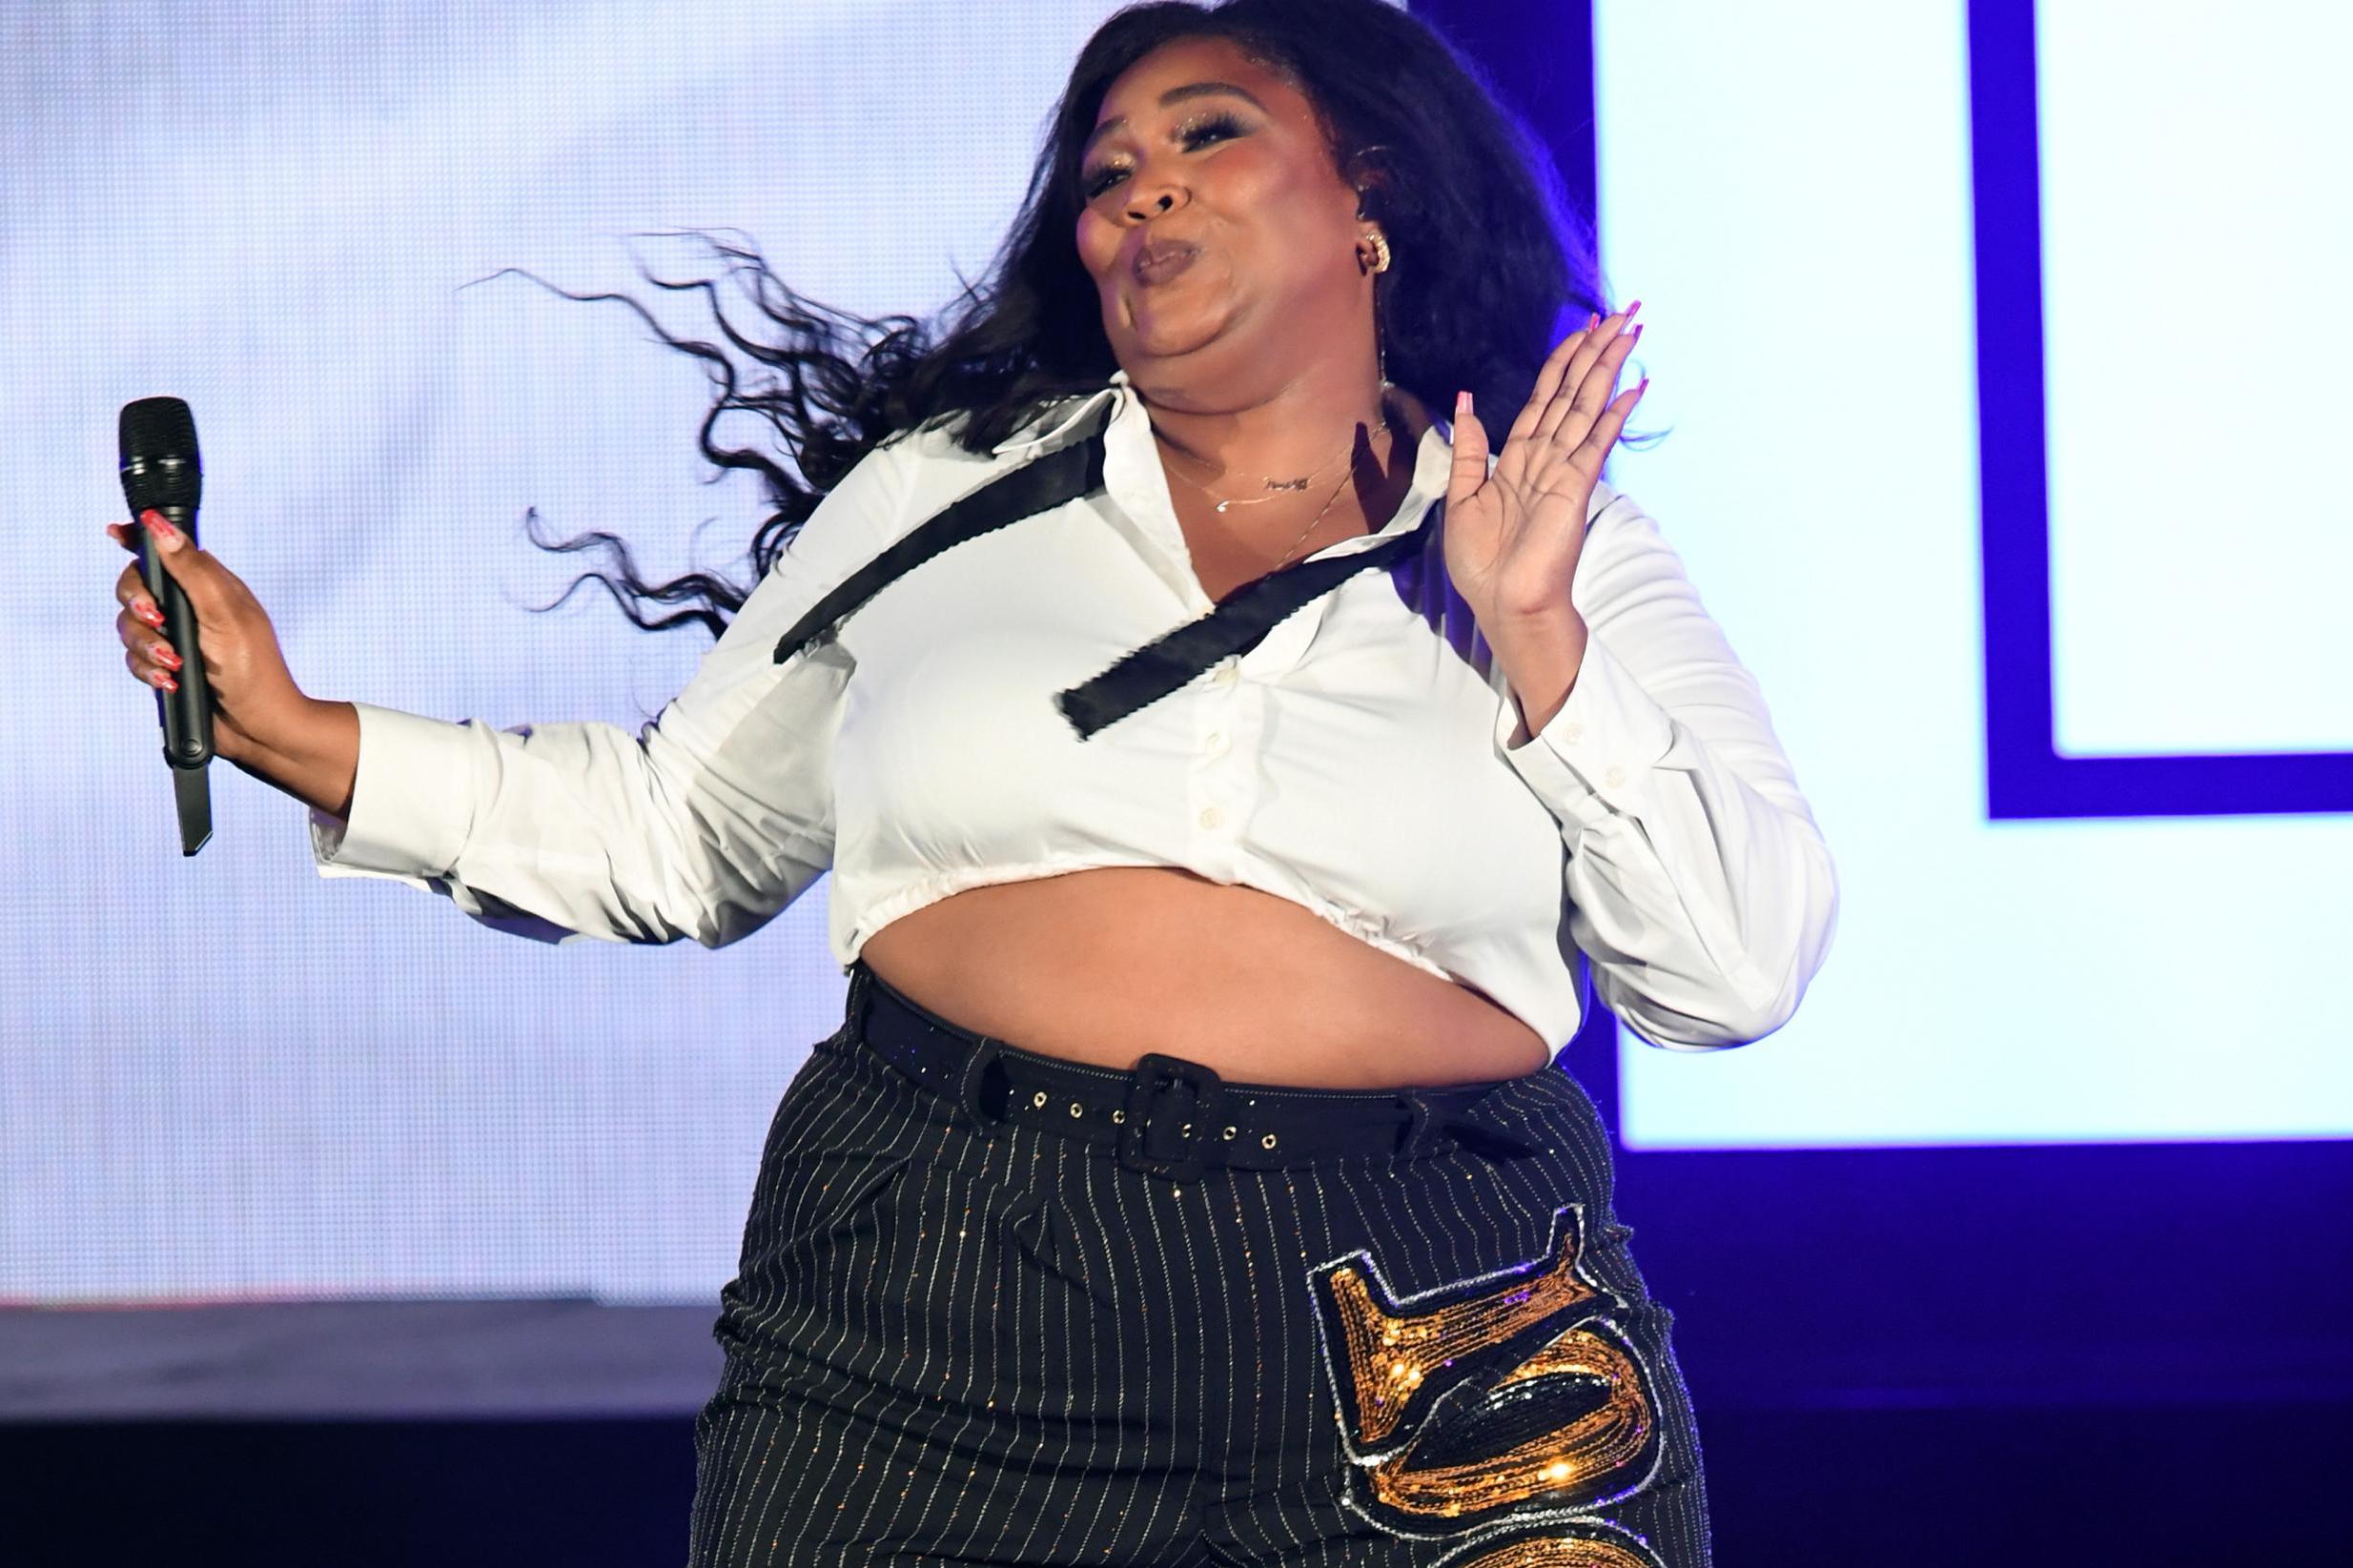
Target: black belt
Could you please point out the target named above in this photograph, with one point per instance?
(1169, 1117)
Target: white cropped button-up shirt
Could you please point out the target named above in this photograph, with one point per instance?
(1366, 759)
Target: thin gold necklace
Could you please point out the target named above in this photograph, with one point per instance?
(1285, 486)
(1293, 486)
(1344, 477)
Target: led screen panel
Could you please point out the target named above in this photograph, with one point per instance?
(2001, 393)
(224, 1077)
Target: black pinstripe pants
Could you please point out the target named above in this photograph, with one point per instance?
(955, 1340)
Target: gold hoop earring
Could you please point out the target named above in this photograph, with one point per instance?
(1381, 252)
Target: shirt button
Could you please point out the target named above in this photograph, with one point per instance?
(1211, 816)
(1617, 776)
(1215, 740)
(1226, 673)
(1572, 731)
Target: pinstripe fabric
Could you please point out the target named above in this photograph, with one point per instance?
(958, 1341)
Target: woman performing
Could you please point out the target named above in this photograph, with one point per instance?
(1225, 764)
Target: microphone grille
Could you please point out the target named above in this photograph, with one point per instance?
(157, 444)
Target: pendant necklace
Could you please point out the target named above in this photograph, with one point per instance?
(1283, 487)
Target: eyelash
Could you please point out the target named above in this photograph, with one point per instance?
(1223, 124)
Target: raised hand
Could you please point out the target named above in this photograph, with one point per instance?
(1513, 536)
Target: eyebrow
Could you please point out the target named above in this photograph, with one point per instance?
(1174, 96)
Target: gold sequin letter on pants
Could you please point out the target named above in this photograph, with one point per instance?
(1499, 1400)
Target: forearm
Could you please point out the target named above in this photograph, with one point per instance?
(1698, 883)
(312, 754)
(1539, 656)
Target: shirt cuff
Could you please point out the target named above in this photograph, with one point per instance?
(1595, 758)
(412, 802)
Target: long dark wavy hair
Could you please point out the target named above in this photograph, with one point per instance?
(1491, 264)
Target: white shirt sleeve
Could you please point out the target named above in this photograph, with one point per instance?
(708, 822)
(1703, 893)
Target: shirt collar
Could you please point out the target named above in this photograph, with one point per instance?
(1433, 457)
(1063, 417)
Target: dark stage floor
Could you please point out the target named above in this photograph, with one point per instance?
(1905, 1357)
(2205, 1484)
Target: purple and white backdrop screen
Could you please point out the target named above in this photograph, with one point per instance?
(1798, 222)
(228, 1077)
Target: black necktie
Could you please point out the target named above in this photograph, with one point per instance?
(1235, 626)
(1151, 672)
(1038, 485)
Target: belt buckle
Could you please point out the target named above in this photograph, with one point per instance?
(1158, 1138)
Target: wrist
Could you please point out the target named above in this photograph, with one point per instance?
(310, 749)
(1540, 655)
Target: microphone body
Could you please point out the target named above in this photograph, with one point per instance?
(162, 472)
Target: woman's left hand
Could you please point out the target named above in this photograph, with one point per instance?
(1513, 536)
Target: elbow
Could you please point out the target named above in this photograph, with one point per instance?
(1750, 1025)
(1763, 991)
(1746, 1008)
(1728, 1010)
(1717, 1029)
(723, 908)
(1698, 995)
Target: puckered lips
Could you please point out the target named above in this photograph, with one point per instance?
(1161, 258)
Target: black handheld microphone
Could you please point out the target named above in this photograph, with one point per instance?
(161, 472)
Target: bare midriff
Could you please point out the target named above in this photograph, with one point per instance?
(1106, 964)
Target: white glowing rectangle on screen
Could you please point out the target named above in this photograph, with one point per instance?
(2196, 331)
(1788, 190)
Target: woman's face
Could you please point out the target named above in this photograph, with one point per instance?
(1220, 236)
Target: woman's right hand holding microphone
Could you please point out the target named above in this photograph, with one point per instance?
(261, 721)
